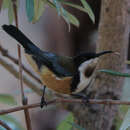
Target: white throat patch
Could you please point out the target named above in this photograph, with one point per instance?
(84, 80)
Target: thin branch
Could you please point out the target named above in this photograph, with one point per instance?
(19, 108)
(27, 115)
(19, 51)
(14, 72)
(24, 98)
(61, 100)
(5, 53)
(4, 125)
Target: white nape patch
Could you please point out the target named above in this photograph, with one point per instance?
(84, 81)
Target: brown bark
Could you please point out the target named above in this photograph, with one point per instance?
(113, 35)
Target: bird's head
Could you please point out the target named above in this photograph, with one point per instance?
(89, 55)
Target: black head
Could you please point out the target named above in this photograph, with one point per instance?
(79, 59)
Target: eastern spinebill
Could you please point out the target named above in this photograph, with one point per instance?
(62, 74)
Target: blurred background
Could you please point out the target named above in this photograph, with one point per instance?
(49, 33)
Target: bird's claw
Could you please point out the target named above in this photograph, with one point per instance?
(85, 100)
(43, 102)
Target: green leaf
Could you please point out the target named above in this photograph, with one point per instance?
(1, 2)
(75, 6)
(128, 62)
(123, 109)
(126, 123)
(11, 122)
(58, 6)
(114, 73)
(39, 7)
(7, 99)
(5, 4)
(30, 9)
(76, 126)
(68, 17)
(64, 125)
(50, 4)
(10, 13)
(89, 10)
(65, 17)
(71, 18)
(79, 8)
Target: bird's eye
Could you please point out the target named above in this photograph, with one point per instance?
(89, 71)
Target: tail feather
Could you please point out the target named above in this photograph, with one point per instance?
(20, 37)
(40, 57)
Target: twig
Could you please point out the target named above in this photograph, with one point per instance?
(3, 124)
(24, 98)
(19, 50)
(27, 115)
(14, 72)
(5, 53)
(19, 108)
(97, 101)
(61, 100)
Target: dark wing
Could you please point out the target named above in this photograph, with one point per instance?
(56, 65)
(40, 57)
(67, 63)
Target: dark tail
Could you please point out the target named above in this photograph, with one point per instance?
(20, 37)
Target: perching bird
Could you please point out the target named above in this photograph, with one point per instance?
(62, 74)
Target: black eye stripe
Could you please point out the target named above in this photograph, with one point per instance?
(75, 81)
(89, 71)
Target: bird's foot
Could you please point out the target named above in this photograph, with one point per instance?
(43, 101)
(85, 98)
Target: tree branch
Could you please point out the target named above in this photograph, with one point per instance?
(15, 73)
(5, 53)
(23, 96)
(4, 125)
(61, 100)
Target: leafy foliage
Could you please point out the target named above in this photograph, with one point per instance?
(64, 125)
(128, 62)
(7, 99)
(88, 10)
(30, 9)
(5, 4)
(69, 18)
(11, 122)
(120, 117)
(91, 15)
(10, 12)
(126, 122)
(1, 1)
(76, 126)
(68, 124)
(123, 123)
(35, 9)
(8, 5)
(38, 9)
(114, 73)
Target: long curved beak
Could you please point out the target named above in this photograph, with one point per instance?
(116, 53)
(107, 52)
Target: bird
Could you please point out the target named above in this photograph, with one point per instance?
(62, 74)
